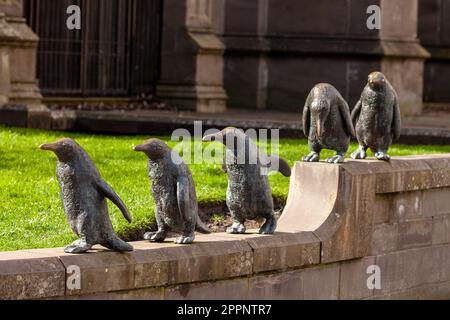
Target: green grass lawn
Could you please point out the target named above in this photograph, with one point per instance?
(31, 214)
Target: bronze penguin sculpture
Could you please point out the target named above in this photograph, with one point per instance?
(327, 123)
(173, 189)
(377, 118)
(249, 196)
(83, 194)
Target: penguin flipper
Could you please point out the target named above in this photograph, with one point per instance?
(397, 120)
(185, 205)
(307, 116)
(344, 110)
(109, 193)
(356, 112)
(283, 166)
(201, 227)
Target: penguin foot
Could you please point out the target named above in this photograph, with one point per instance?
(336, 159)
(269, 226)
(312, 157)
(237, 228)
(155, 236)
(78, 246)
(382, 156)
(185, 239)
(359, 154)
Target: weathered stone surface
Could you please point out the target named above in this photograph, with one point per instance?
(441, 230)
(385, 238)
(407, 206)
(284, 250)
(353, 279)
(382, 212)
(406, 269)
(404, 175)
(151, 269)
(348, 234)
(39, 117)
(415, 234)
(436, 202)
(435, 291)
(440, 164)
(14, 115)
(234, 289)
(283, 286)
(27, 276)
(139, 294)
(321, 283)
(208, 259)
(102, 272)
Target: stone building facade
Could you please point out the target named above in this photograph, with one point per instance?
(267, 55)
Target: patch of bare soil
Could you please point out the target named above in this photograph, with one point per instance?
(216, 217)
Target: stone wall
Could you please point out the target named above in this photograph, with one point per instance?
(434, 33)
(392, 215)
(285, 47)
(276, 51)
(18, 48)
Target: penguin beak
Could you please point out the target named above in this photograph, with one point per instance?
(139, 148)
(48, 147)
(213, 137)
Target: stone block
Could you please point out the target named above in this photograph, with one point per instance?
(436, 202)
(151, 269)
(331, 15)
(382, 210)
(241, 17)
(353, 279)
(234, 289)
(411, 268)
(209, 258)
(404, 175)
(400, 12)
(284, 251)
(441, 230)
(39, 117)
(241, 80)
(440, 166)
(435, 291)
(385, 238)
(349, 234)
(415, 234)
(26, 276)
(283, 286)
(101, 272)
(14, 115)
(321, 283)
(407, 206)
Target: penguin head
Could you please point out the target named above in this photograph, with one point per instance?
(225, 135)
(154, 149)
(320, 109)
(377, 80)
(65, 149)
(232, 138)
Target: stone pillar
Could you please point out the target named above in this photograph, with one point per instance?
(7, 34)
(192, 57)
(23, 54)
(404, 57)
